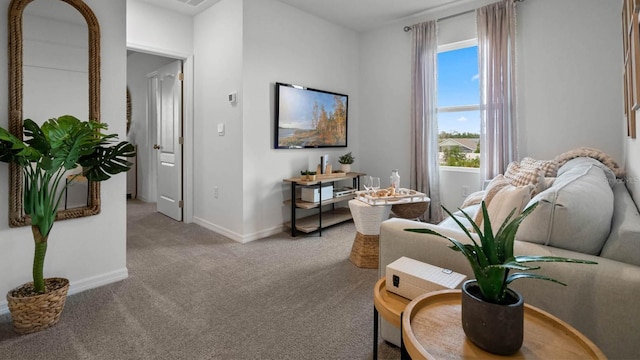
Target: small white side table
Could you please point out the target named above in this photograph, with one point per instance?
(367, 218)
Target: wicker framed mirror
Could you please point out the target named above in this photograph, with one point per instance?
(17, 216)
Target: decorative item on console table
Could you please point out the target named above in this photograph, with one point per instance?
(493, 314)
(60, 145)
(307, 175)
(328, 172)
(345, 162)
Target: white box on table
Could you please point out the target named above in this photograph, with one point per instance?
(410, 278)
(311, 193)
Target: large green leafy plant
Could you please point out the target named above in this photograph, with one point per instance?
(45, 156)
(493, 259)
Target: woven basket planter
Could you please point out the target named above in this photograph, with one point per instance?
(30, 314)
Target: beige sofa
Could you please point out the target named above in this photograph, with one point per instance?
(602, 301)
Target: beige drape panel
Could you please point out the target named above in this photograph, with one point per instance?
(496, 57)
(425, 175)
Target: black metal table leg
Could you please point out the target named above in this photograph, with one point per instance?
(293, 209)
(375, 333)
(404, 355)
(320, 208)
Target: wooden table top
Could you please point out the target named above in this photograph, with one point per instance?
(388, 304)
(432, 329)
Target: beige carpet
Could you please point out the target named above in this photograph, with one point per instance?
(194, 294)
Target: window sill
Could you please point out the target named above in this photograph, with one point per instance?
(460, 169)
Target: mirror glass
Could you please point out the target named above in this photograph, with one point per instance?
(54, 70)
(55, 73)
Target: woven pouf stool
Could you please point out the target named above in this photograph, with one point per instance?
(367, 218)
(410, 211)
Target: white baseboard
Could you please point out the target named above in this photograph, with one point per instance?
(235, 236)
(81, 285)
(218, 229)
(263, 233)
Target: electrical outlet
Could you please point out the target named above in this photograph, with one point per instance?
(215, 192)
(465, 191)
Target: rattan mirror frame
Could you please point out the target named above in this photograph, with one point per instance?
(17, 216)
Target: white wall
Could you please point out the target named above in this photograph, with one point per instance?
(158, 30)
(284, 44)
(139, 65)
(456, 185)
(218, 160)
(569, 74)
(569, 77)
(87, 257)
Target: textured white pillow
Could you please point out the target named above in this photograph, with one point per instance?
(549, 167)
(495, 185)
(575, 213)
(507, 199)
(519, 175)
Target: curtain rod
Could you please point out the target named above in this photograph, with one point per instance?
(408, 28)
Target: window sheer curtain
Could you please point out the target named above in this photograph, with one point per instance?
(496, 56)
(425, 175)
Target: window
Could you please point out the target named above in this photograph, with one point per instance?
(459, 104)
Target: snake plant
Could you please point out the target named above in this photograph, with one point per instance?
(45, 156)
(493, 259)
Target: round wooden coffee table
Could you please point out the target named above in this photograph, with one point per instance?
(432, 329)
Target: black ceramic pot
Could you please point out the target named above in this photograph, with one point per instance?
(492, 327)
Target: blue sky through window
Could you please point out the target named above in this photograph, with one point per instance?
(458, 85)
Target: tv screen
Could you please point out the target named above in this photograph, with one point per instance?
(309, 118)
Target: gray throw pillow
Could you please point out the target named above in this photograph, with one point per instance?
(575, 213)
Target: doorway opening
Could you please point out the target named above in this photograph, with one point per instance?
(159, 112)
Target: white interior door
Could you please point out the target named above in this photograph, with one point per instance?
(168, 146)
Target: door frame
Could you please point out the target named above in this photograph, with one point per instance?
(187, 123)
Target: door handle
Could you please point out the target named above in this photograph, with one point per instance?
(156, 146)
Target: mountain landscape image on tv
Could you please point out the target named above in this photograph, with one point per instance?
(309, 118)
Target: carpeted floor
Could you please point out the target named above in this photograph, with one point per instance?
(194, 294)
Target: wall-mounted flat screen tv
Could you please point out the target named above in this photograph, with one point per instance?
(309, 118)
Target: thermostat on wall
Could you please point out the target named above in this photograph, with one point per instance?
(233, 98)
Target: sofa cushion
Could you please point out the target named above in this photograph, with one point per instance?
(518, 175)
(586, 161)
(575, 213)
(471, 210)
(549, 167)
(509, 198)
(596, 154)
(623, 243)
(495, 185)
(473, 198)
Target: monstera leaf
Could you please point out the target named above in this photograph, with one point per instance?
(14, 150)
(107, 161)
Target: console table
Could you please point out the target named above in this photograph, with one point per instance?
(322, 219)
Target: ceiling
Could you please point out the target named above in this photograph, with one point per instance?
(359, 15)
